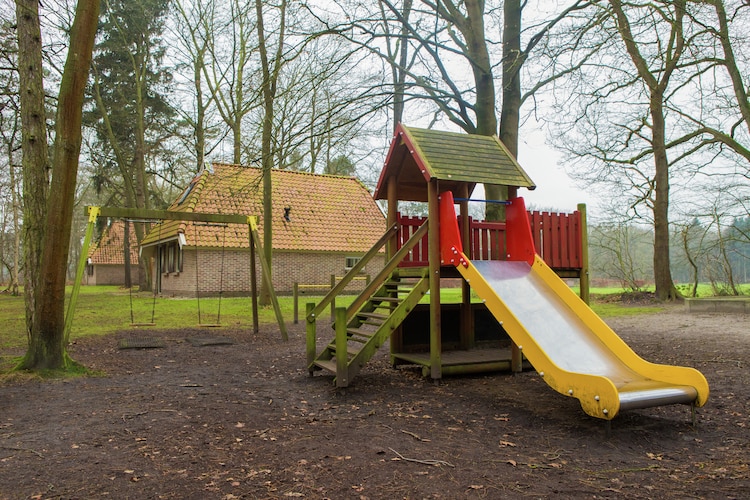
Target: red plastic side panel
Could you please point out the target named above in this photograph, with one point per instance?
(519, 241)
(450, 238)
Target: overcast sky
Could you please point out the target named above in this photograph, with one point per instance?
(554, 189)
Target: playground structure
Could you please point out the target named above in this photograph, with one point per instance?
(299, 289)
(549, 326)
(141, 215)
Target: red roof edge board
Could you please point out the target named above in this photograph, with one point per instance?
(401, 134)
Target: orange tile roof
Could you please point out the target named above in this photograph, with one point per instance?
(327, 212)
(109, 248)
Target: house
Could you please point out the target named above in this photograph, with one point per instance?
(322, 224)
(106, 260)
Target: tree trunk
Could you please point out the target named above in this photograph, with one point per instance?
(476, 45)
(665, 289)
(481, 68)
(47, 347)
(139, 167)
(34, 145)
(268, 88)
(511, 105)
(657, 84)
(200, 118)
(511, 94)
(399, 70)
(126, 255)
(13, 285)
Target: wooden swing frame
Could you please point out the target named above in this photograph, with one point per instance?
(94, 212)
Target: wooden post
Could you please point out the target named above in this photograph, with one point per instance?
(433, 242)
(295, 297)
(342, 370)
(392, 217)
(253, 280)
(466, 333)
(311, 341)
(93, 213)
(516, 356)
(396, 339)
(266, 273)
(333, 299)
(584, 273)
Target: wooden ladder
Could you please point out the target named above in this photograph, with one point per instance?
(359, 338)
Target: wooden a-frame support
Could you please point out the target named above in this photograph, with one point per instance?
(142, 214)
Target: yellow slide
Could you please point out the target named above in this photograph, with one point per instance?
(575, 352)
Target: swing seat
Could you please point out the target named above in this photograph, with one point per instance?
(142, 324)
(209, 325)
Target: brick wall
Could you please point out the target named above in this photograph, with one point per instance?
(288, 267)
(109, 274)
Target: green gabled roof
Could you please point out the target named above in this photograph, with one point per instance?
(417, 156)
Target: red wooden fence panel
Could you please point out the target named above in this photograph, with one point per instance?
(417, 256)
(557, 239)
(488, 240)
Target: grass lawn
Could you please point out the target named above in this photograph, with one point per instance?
(704, 289)
(102, 310)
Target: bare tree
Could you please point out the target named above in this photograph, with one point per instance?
(692, 251)
(621, 251)
(435, 47)
(47, 345)
(617, 128)
(35, 156)
(271, 68)
(193, 47)
(10, 132)
(230, 50)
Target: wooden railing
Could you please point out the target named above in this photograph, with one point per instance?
(557, 238)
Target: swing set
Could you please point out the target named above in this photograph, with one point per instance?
(143, 215)
(221, 277)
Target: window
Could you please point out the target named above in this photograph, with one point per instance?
(170, 258)
(178, 249)
(351, 262)
(163, 258)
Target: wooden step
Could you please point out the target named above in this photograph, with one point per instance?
(329, 365)
(373, 315)
(361, 333)
(350, 349)
(394, 300)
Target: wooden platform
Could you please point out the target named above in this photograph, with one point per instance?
(460, 362)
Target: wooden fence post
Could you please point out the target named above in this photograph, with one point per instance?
(295, 295)
(342, 358)
(311, 341)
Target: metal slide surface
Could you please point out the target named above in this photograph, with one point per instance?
(571, 347)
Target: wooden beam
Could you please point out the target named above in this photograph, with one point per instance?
(144, 214)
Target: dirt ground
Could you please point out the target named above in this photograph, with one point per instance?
(246, 421)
